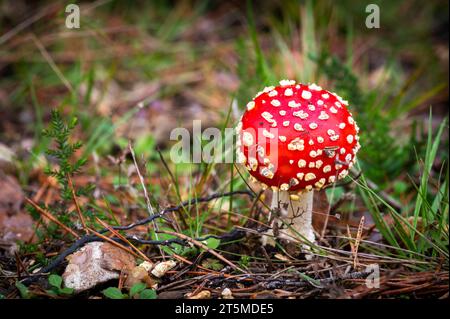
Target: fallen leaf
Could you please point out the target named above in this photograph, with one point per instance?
(95, 263)
(15, 225)
(140, 274)
(136, 275)
(11, 195)
(115, 258)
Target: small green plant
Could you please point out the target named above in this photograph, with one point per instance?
(212, 264)
(140, 291)
(114, 293)
(23, 290)
(137, 291)
(55, 281)
(244, 261)
(60, 132)
(63, 152)
(212, 243)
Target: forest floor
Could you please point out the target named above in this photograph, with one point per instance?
(99, 169)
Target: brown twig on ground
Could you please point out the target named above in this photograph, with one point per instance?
(355, 246)
(203, 246)
(232, 235)
(419, 283)
(144, 188)
(290, 282)
(190, 263)
(122, 277)
(28, 22)
(20, 266)
(124, 239)
(52, 218)
(357, 241)
(74, 196)
(113, 242)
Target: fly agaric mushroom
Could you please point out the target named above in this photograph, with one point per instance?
(295, 139)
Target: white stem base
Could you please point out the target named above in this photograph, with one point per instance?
(295, 220)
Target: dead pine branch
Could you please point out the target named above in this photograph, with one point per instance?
(52, 218)
(116, 233)
(203, 246)
(74, 196)
(115, 243)
(98, 235)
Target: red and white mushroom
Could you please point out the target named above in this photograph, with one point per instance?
(296, 138)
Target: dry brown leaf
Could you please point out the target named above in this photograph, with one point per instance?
(18, 227)
(11, 195)
(95, 263)
(115, 258)
(15, 225)
(140, 274)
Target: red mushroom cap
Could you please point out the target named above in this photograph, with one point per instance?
(297, 137)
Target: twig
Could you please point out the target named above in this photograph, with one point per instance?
(357, 241)
(52, 64)
(283, 283)
(144, 188)
(113, 242)
(74, 196)
(191, 265)
(27, 22)
(51, 217)
(20, 266)
(113, 231)
(232, 235)
(203, 246)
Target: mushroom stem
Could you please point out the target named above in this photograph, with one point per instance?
(296, 214)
